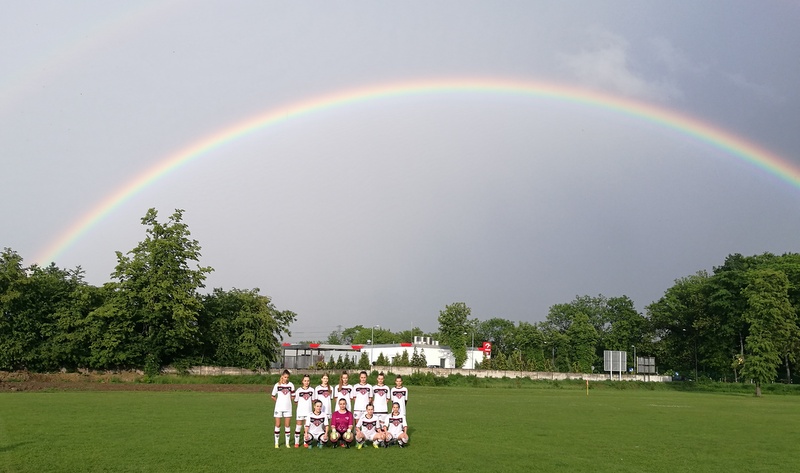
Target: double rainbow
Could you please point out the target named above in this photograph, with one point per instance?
(736, 146)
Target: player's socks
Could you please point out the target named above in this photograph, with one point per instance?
(287, 431)
(277, 436)
(297, 435)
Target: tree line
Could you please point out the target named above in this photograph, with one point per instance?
(737, 323)
(150, 315)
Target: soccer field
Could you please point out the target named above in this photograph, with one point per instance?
(451, 429)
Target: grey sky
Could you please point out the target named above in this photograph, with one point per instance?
(384, 212)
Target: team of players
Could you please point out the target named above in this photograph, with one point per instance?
(369, 420)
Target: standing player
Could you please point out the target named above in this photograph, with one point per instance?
(344, 390)
(303, 397)
(399, 394)
(397, 430)
(362, 395)
(369, 427)
(282, 395)
(317, 426)
(380, 398)
(324, 393)
(342, 423)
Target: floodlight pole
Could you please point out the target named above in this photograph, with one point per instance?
(635, 370)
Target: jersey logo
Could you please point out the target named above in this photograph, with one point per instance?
(305, 396)
(325, 393)
(285, 390)
(363, 391)
(399, 394)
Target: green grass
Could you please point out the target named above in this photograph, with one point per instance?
(452, 429)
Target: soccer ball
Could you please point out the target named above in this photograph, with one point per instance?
(334, 436)
(348, 436)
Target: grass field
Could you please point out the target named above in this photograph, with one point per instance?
(452, 429)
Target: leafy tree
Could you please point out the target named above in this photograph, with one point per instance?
(583, 340)
(242, 328)
(770, 316)
(422, 359)
(500, 332)
(674, 318)
(156, 290)
(452, 327)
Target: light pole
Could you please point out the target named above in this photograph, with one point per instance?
(372, 345)
(472, 352)
(635, 367)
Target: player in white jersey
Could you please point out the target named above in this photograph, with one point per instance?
(399, 394)
(344, 390)
(380, 398)
(362, 395)
(317, 426)
(397, 428)
(369, 427)
(324, 393)
(282, 395)
(303, 397)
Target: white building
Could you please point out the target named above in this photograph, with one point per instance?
(305, 355)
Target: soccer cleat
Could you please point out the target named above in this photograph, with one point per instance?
(358, 447)
(319, 445)
(297, 445)
(375, 444)
(288, 446)
(401, 445)
(306, 445)
(277, 446)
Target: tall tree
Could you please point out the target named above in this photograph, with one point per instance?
(157, 289)
(583, 341)
(771, 317)
(452, 328)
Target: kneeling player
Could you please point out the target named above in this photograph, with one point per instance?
(342, 422)
(397, 429)
(316, 426)
(369, 428)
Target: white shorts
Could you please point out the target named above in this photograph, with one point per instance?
(358, 414)
(301, 417)
(383, 417)
(317, 436)
(282, 414)
(368, 434)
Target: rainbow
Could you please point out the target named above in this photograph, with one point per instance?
(699, 130)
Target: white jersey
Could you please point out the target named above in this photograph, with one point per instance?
(345, 392)
(396, 424)
(400, 396)
(283, 394)
(380, 398)
(361, 396)
(369, 427)
(324, 394)
(316, 424)
(304, 397)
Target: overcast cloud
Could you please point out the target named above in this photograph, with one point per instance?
(385, 211)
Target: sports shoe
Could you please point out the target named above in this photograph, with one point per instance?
(305, 445)
(358, 447)
(401, 445)
(375, 444)
(297, 445)
(319, 445)
(288, 446)
(277, 446)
